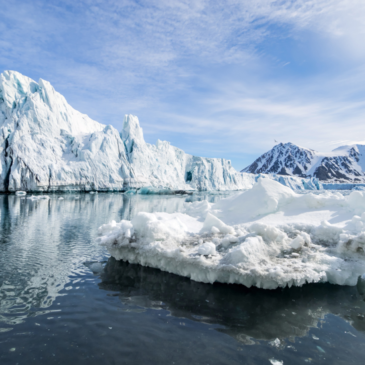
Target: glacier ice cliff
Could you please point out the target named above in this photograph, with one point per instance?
(166, 166)
(46, 145)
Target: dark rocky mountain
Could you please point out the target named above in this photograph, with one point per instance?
(342, 165)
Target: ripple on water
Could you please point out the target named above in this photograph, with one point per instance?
(143, 315)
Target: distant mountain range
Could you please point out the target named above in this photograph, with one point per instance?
(342, 165)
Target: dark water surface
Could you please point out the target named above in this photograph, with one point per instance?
(63, 300)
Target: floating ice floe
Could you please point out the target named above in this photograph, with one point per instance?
(267, 236)
(21, 193)
(276, 362)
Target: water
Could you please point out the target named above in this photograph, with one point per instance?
(64, 300)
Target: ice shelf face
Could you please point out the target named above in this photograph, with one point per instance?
(46, 145)
(267, 236)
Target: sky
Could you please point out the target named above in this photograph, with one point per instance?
(216, 79)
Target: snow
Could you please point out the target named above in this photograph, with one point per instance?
(268, 236)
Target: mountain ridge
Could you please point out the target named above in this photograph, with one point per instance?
(342, 165)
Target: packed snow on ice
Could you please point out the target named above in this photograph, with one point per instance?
(268, 236)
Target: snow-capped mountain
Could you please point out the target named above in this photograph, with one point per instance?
(46, 145)
(344, 164)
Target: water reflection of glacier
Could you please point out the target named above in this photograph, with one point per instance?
(245, 314)
(44, 243)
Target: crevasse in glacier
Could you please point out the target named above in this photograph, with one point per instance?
(46, 145)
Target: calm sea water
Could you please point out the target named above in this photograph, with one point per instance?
(63, 300)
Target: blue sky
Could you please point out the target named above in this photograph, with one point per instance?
(217, 79)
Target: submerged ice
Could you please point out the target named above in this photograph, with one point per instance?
(268, 236)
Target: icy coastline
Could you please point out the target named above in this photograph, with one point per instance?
(268, 236)
(47, 146)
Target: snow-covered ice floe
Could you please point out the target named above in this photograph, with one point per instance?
(267, 236)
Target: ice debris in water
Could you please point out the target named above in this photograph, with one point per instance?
(267, 236)
(276, 362)
(21, 193)
(275, 343)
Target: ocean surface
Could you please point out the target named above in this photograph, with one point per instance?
(64, 300)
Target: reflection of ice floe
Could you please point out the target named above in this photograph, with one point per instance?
(38, 197)
(267, 236)
(245, 314)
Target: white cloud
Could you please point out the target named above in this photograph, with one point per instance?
(169, 62)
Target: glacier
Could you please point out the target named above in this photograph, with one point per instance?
(268, 236)
(47, 146)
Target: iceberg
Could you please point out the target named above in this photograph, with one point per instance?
(267, 236)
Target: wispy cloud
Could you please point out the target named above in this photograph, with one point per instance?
(209, 76)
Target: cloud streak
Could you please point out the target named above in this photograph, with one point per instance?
(208, 76)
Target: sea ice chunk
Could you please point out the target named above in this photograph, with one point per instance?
(289, 241)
